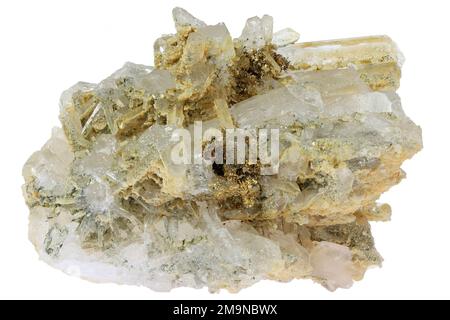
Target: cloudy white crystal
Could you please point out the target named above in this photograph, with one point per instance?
(284, 37)
(257, 32)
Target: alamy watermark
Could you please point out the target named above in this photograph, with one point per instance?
(229, 146)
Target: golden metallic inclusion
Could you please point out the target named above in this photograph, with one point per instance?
(108, 204)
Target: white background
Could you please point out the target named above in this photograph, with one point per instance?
(47, 46)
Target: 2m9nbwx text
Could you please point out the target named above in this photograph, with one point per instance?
(251, 309)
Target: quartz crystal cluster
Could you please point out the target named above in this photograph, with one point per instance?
(109, 204)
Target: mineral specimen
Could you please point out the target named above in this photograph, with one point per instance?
(109, 202)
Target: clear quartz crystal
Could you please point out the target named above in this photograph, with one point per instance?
(108, 202)
(184, 19)
(257, 32)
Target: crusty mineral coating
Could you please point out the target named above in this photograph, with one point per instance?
(108, 204)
